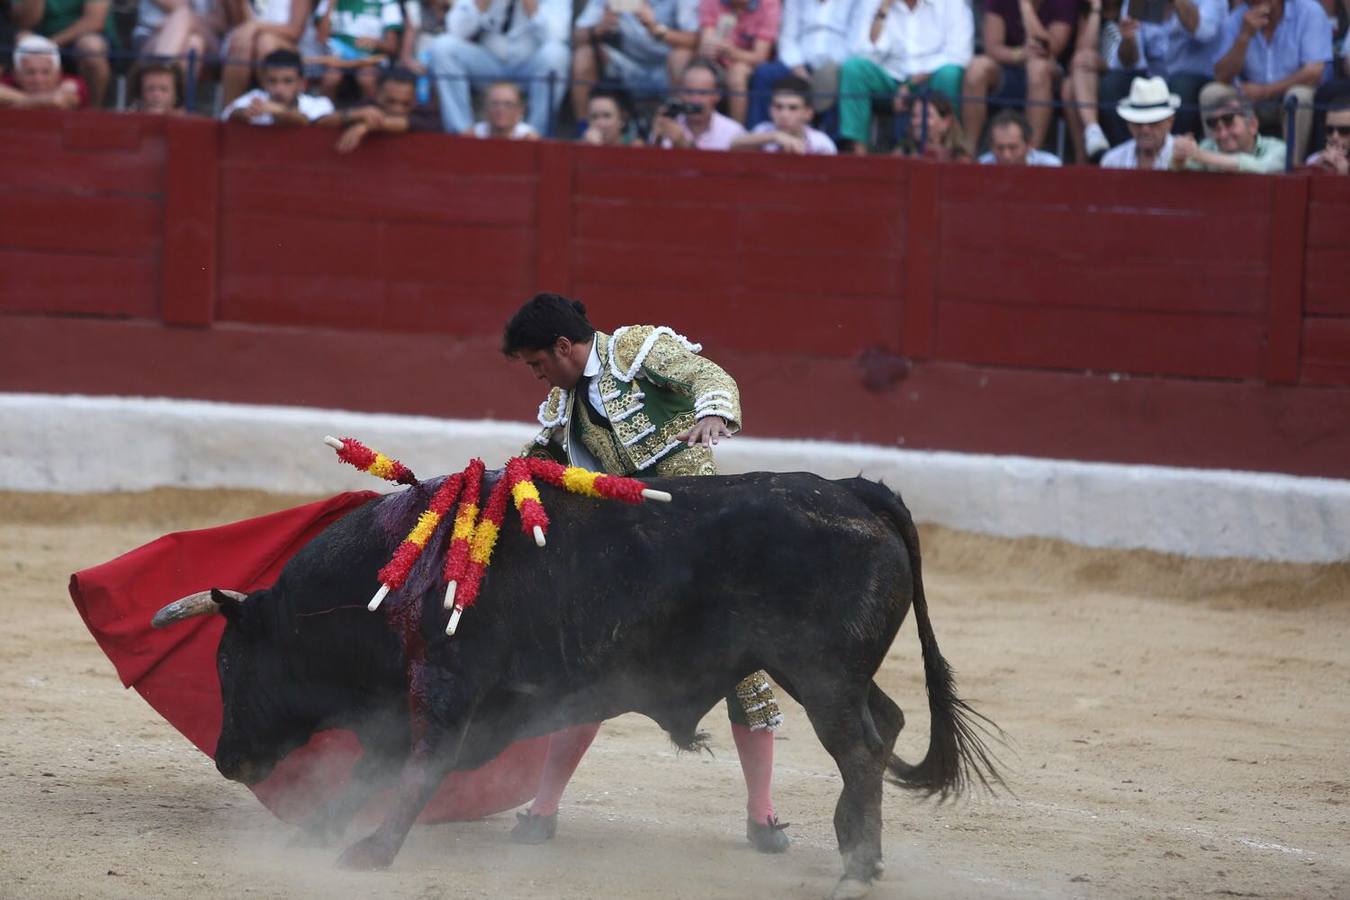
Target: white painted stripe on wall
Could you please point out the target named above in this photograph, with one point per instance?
(76, 444)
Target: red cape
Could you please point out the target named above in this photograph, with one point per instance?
(175, 669)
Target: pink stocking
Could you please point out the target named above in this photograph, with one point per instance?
(756, 752)
(565, 749)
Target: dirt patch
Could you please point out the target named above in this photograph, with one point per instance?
(1177, 729)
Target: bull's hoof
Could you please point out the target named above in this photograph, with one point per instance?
(367, 855)
(767, 837)
(532, 829)
(850, 889)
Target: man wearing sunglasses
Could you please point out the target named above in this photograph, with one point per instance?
(1236, 144)
(1275, 50)
(1334, 158)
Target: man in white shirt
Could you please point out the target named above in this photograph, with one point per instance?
(282, 99)
(499, 40)
(504, 114)
(815, 38)
(1148, 112)
(790, 131)
(908, 46)
(1010, 143)
(698, 125)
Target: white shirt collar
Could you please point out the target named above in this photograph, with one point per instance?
(593, 361)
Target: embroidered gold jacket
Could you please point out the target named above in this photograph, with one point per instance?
(653, 385)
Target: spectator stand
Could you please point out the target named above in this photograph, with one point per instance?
(1180, 319)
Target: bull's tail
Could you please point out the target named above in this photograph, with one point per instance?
(958, 755)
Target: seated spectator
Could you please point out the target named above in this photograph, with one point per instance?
(1334, 158)
(358, 35)
(1149, 112)
(1276, 49)
(81, 29)
(940, 138)
(815, 38)
(1182, 49)
(423, 22)
(1010, 143)
(393, 111)
(1095, 43)
(692, 120)
(790, 130)
(171, 29)
(156, 88)
(607, 120)
(275, 25)
(495, 40)
(738, 35)
(37, 82)
(908, 46)
(641, 51)
(503, 115)
(282, 99)
(1236, 146)
(1023, 41)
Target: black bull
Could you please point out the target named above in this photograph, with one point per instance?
(657, 609)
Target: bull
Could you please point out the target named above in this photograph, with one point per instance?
(657, 609)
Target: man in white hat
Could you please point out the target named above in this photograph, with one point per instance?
(1148, 112)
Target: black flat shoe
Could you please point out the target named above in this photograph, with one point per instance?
(767, 837)
(532, 829)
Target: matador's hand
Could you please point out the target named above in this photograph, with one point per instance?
(707, 431)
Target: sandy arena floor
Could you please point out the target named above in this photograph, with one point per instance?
(1179, 729)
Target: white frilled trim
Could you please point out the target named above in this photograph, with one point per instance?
(543, 437)
(639, 436)
(632, 410)
(715, 411)
(711, 398)
(561, 418)
(775, 722)
(664, 451)
(643, 350)
(614, 395)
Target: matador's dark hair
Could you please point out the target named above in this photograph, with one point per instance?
(542, 320)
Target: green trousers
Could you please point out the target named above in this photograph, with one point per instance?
(861, 81)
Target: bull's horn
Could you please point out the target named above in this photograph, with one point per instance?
(198, 604)
(332, 442)
(651, 494)
(539, 535)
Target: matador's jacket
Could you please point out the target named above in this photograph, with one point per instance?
(654, 386)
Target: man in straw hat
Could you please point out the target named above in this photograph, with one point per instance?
(1236, 145)
(1148, 112)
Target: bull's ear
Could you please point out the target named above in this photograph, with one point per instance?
(231, 603)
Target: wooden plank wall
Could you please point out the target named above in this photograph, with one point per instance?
(81, 203)
(1326, 320)
(270, 250)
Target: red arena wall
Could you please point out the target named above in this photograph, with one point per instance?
(1195, 320)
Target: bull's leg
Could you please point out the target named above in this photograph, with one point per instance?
(384, 749)
(376, 770)
(888, 720)
(838, 719)
(417, 785)
(440, 723)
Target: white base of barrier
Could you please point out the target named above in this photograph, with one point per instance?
(76, 444)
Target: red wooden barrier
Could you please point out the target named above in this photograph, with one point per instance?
(380, 281)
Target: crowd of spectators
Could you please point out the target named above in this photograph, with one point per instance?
(1152, 84)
